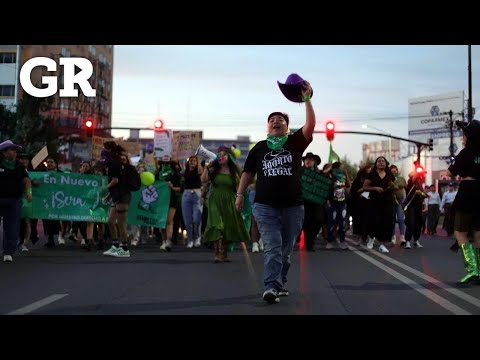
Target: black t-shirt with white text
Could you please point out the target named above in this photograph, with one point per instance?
(467, 163)
(278, 171)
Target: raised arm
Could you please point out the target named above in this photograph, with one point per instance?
(310, 121)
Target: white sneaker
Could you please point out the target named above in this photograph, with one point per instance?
(407, 245)
(134, 242)
(24, 248)
(329, 246)
(121, 253)
(417, 244)
(370, 242)
(394, 239)
(402, 238)
(343, 245)
(260, 244)
(7, 258)
(255, 247)
(61, 240)
(111, 251)
(198, 242)
(383, 249)
(82, 242)
(190, 245)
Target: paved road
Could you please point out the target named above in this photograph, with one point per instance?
(185, 281)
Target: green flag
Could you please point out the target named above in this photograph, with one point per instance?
(333, 157)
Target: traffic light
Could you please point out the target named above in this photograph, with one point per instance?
(158, 125)
(418, 168)
(430, 144)
(330, 130)
(89, 126)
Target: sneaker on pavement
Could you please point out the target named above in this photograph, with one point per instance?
(121, 253)
(7, 258)
(417, 244)
(190, 245)
(111, 251)
(283, 292)
(271, 296)
(198, 242)
(394, 239)
(260, 244)
(329, 246)
(134, 242)
(343, 245)
(383, 249)
(407, 245)
(370, 242)
(255, 247)
(24, 248)
(61, 240)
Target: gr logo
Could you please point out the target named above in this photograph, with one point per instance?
(69, 77)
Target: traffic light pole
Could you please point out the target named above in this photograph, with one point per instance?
(419, 145)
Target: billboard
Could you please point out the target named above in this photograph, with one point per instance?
(428, 116)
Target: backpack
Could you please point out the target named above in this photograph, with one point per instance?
(132, 178)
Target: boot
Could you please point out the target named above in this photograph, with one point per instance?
(223, 251)
(216, 246)
(471, 265)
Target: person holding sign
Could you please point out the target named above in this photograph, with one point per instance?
(14, 181)
(277, 162)
(316, 187)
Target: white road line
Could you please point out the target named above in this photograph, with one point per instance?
(425, 292)
(37, 305)
(464, 296)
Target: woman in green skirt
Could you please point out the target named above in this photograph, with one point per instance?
(225, 224)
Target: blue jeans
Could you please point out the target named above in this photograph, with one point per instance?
(399, 215)
(337, 213)
(10, 211)
(279, 229)
(192, 213)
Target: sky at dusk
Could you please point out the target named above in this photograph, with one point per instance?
(228, 90)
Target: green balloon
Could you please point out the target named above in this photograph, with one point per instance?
(147, 178)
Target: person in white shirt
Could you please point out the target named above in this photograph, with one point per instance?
(433, 210)
(446, 207)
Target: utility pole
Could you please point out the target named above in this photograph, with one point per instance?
(470, 109)
(452, 153)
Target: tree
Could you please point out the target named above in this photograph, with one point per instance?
(350, 168)
(7, 123)
(34, 131)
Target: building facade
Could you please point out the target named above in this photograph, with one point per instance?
(9, 70)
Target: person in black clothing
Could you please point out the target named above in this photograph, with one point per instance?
(167, 170)
(380, 183)
(314, 213)
(119, 194)
(14, 181)
(277, 162)
(467, 200)
(358, 204)
(412, 207)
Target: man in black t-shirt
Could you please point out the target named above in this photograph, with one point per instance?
(14, 181)
(278, 209)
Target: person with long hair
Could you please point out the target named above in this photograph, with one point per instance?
(191, 202)
(412, 207)
(380, 183)
(358, 203)
(14, 183)
(120, 195)
(279, 211)
(225, 224)
(467, 200)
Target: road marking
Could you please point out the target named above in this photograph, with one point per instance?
(37, 305)
(462, 295)
(414, 285)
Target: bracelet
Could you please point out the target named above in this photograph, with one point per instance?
(306, 98)
(239, 195)
(29, 191)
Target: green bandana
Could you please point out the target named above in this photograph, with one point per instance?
(9, 164)
(276, 142)
(165, 172)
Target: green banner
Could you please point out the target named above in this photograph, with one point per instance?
(316, 186)
(78, 197)
(149, 205)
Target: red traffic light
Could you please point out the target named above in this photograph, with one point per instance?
(418, 168)
(158, 124)
(330, 130)
(89, 124)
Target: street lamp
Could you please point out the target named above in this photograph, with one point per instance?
(365, 126)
